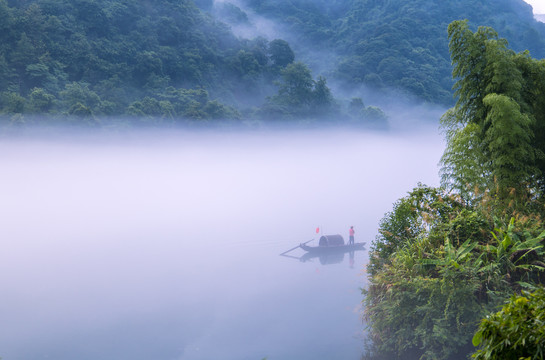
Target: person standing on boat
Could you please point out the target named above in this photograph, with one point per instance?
(351, 233)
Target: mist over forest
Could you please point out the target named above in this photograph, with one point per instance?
(236, 62)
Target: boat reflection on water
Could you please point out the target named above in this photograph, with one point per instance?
(330, 258)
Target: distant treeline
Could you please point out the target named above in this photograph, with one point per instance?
(156, 61)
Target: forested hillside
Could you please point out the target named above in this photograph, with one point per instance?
(396, 43)
(160, 61)
(123, 57)
(156, 61)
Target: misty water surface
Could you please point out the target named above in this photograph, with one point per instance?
(166, 246)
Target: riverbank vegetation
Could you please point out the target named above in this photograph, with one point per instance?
(446, 257)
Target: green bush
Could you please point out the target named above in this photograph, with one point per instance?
(517, 331)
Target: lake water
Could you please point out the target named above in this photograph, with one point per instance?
(166, 245)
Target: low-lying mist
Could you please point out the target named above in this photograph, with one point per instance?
(165, 244)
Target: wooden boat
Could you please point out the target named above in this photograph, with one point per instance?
(330, 250)
(332, 243)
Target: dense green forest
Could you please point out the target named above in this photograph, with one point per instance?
(446, 257)
(156, 61)
(397, 44)
(160, 61)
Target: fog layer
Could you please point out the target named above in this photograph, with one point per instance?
(166, 246)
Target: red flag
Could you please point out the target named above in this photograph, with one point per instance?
(317, 230)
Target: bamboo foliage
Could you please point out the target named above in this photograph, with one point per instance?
(444, 258)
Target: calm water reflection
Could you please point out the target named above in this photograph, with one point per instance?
(167, 246)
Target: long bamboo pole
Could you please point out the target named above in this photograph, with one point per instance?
(285, 252)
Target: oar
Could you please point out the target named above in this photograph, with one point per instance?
(285, 252)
